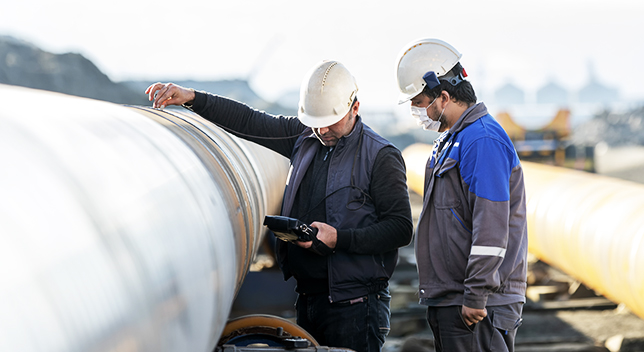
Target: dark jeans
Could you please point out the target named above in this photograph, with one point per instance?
(360, 324)
(496, 332)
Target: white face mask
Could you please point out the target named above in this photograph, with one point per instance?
(424, 120)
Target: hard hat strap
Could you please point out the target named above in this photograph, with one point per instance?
(456, 75)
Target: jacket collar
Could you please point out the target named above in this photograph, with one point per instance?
(468, 117)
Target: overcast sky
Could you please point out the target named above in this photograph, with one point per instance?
(274, 42)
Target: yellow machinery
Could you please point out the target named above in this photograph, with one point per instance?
(546, 143)
(589, 226)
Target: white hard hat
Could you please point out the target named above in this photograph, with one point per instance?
(326, 94)
(419, 57)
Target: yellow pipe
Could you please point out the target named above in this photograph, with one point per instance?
(589, 226)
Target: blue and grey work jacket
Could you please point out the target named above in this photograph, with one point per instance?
(471, 243)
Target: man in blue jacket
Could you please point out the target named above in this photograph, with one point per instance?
(346, 181)
(471, 243)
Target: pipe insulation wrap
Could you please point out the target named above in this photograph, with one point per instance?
(126, 229)
(591, 227)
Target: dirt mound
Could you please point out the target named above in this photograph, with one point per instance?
(23, 64)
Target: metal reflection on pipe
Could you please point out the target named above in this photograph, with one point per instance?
(116, 231)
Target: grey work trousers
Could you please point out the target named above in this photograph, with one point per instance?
(496, 332)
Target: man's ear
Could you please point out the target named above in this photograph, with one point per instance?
(445, 96)
(355, 107)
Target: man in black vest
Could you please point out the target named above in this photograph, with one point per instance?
(346, 181)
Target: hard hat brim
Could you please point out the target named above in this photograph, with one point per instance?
(319, 122)
(403, 98)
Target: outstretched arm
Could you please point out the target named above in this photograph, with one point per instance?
(277, 133)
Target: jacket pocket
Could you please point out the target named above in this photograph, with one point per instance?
(445, 192)
(452, 240)
(459, 219)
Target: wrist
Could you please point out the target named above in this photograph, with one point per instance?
(343, 240)
(191, 96)
(191, 99)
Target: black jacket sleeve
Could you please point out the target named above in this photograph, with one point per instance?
(275, 132)
(389, 192)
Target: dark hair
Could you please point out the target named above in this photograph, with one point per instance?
(461, 92)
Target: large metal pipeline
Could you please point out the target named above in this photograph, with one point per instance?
(589, 226)
(123, 228)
